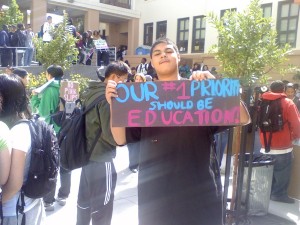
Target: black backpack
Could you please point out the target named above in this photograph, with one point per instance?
(72, 137)
(44, 162)
(22, 38)
(270, 119)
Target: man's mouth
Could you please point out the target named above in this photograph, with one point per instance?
(163, 61)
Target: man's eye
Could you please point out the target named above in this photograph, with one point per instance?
(157, 53)
(169, 51)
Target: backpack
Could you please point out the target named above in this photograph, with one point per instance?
(72, 137)
(22, 38)
(270, 119)
(44, 162)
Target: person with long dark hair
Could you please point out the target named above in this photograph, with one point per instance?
(14, 104)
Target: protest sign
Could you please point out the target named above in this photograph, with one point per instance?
(100, 44)
(69, 91)
(177, 103)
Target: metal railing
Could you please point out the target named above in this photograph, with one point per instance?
(15, 54)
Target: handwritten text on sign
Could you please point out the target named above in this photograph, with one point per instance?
(177, 103)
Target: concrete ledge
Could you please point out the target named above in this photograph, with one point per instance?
(85, 71)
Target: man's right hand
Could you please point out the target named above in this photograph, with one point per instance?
(111, 90)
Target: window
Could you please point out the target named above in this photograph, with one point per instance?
(267, 10)
(148, 34)
(199, 26)
(183, 34)
(287, 23)
(120, 3)
(161, 29)
(225, 10)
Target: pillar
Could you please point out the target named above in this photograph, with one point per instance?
(91, 20)
(38, 14)
(133, 37)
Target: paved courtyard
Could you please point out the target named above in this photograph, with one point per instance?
(125, 205)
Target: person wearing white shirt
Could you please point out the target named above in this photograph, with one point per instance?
(47, 29)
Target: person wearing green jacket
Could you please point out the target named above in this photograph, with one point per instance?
(98, 178)
(45, 102)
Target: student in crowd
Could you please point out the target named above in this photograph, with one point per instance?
(5, 53)
(102, 49)
(175, 186)
(29, 46)
(142, 67)
(281, 142)
(45, 103)
(87, 50)
(184, 69)
(14, 104)
(196, 67)
(5, 149)
(23, 74)
(131, 74)
(12, 30)
(290, 92)
(48, 28)
(139, 77)
(98, 177)
(18, 40)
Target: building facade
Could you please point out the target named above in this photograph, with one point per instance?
(134, 23)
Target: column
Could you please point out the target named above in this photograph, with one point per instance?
(91, 20)
(133, 36)
(38, 14)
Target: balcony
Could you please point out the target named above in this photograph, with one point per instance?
(119, 3)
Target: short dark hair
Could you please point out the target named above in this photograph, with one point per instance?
(49, 17)
(20, 26)
(70, 21)
(20, 72)
(55, 71)
(118, 67)
(163, 40)
(277, 86)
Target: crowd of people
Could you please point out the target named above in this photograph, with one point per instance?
(176, 185)
(16, 45)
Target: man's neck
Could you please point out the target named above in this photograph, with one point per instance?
(168, 77)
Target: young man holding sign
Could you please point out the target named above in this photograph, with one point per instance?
(176, 184)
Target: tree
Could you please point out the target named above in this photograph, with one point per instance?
(12, 15)
(248, 50)
(247, 47)
(61, 50)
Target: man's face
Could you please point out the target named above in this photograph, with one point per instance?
(165, 60)
(290, 93)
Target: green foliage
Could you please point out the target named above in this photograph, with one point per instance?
(36, 81)
(83, 82)
(60, 51)
(247, 47)
(12, 16)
